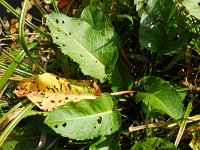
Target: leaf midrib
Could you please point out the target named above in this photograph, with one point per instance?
(83, 117)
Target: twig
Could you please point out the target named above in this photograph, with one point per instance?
(123, 92)
(169, 124)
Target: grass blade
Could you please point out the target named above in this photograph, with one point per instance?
(11, 69)
(183, 123)
(55, 6)
(11, 126)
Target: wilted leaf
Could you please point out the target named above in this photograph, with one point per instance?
(90, 48)
(160, 95)
(86, 119)
(49, 91)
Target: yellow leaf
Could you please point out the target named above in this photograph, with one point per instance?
(49, 91)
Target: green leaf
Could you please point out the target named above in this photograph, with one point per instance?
(98, 20)
(86, 119)
(162, 28)
(107, 143)
(90, 48)
(130, 18)
(176, 36)
(181, 91)
(193, 6)
(154, 143)
(120, 79)
(160, 95)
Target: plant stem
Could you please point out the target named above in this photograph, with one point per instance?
(55, 6)
(21, 35)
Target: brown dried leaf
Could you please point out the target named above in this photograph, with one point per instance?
(13, 30)
(49, 91)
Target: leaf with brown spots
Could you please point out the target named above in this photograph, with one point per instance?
(49, 91)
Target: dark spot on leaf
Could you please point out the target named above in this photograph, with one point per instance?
(63, 21)
(61, 87)
(64, 45)
(40, 103)
(199, 3)
(56, 126)
(81, 55)
(57, 37)
(66, 98)
(111, 129)
(58, 30)
(91, 84)
(95, 127)
(52, 101)
(53, 90)
(70, 33)
(57, 78)
(47, 87)
(96, 61)
(57, 21)
(69, 86)
(99, 120)
(64, 124)
(60, 101)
